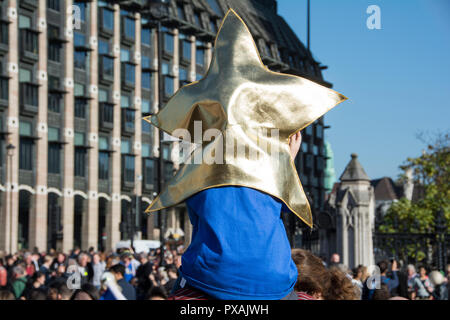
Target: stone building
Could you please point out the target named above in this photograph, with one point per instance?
(346, 227)
(76, 78)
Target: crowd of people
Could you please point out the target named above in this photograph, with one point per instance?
(127, 275)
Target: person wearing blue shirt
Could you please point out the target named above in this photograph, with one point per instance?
(239, 247)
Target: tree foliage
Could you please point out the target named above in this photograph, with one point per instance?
(431, 175)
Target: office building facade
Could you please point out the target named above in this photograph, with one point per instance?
(76, 80)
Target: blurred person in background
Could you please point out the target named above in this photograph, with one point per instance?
(59, 260)
(335, 259)
(130, 264)
(30, 266)
(315, 282)
(425, 280)
(45, 267)
(84, 268)
(128, 290)
(86, 292)
(157, 293)
(20, 281)
(98, 268)
(3, 272)
(439, 283)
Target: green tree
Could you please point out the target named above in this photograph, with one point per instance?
(431, 175)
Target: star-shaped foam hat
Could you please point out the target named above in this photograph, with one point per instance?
(248, 110)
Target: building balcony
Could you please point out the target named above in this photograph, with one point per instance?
(29, 101)
(29, 4)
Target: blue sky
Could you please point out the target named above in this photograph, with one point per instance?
(397, 79)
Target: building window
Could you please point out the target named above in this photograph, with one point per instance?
(26, 154)
(54, 47)
(146, 80)
(103, 159)
(146, 36)
(125, 147)
(198, 20)
(24, 22)
(4, 88)
(24, 75)
(186, 49)
(107, 66)
(80, 58)
(102, 95)
(80, 155)
(79, 39)
(128, 168)
(54, 102)
(168, 43)
(183, 75)
(168, 86)
(127, 162)
(149, 171)
(128, 74)
(146, 62)
(145, 153)
(54, 51)
(200, 54)
(80, 162)
(107, 112)
(146, 127)
(82, 7)
(125, 101)
(319, 131)
(80, 101)
(212, 25)
(103, 165)
(103, 47)
(107, 16)
(54, 151)
(124, 55)
(4, 32)
(53, 4)
(215, 7)
(129, 27)
(26, 146)
(180, 12)
(28, 90)
(80, 108)
(146, 106)
(128, 119)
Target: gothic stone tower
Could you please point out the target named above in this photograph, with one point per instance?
(354, 205)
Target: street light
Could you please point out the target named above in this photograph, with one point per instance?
(133, 225)
(10, 151)
(158, 10)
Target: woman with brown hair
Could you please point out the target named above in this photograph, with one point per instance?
(315, 282)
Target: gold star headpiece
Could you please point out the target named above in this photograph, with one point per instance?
(242, 101)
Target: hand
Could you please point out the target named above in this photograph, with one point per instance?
(294, 144)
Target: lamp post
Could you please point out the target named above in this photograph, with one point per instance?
(10, 151)
(157, 10)
(134, 224)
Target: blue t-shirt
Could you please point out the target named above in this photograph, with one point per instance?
(239, 247)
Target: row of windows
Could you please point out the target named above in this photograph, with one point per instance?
(54, 154)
